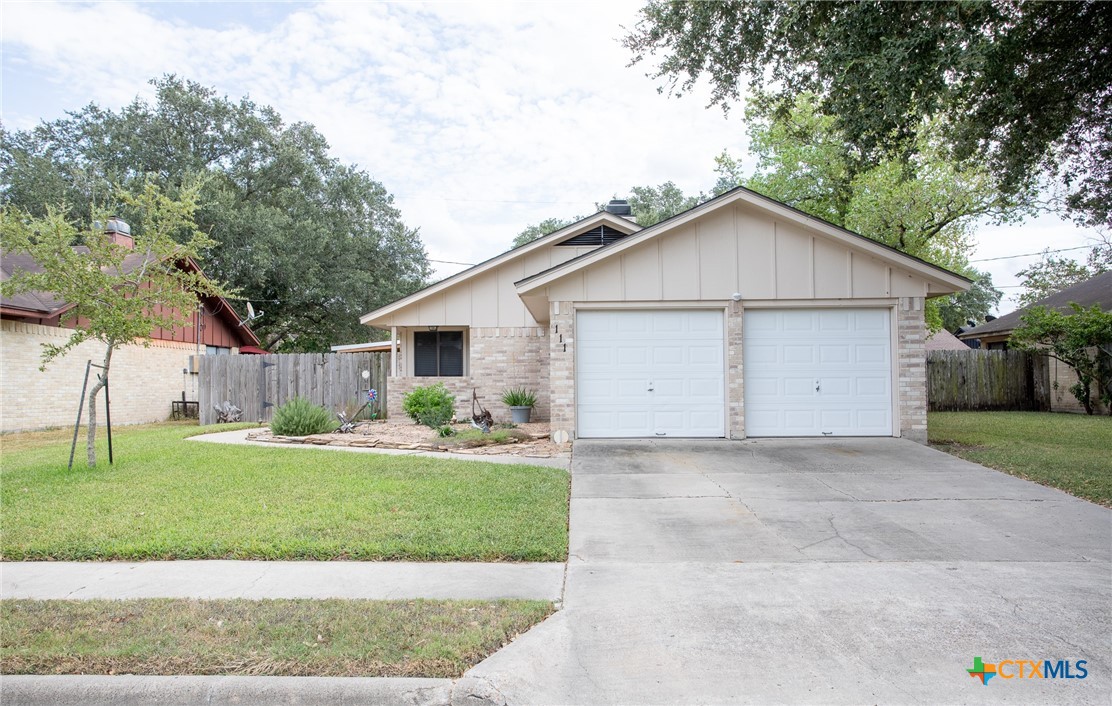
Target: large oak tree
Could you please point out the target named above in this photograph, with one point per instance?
(1024, 86)
(313, 242)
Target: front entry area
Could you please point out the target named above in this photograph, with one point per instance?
(818, 372)
(650, 373)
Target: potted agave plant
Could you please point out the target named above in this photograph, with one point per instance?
(521, 402)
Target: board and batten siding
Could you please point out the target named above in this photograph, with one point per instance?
(739, 249)
(486, 300)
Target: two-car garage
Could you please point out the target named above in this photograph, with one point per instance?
(662, 372)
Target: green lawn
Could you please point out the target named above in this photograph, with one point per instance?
(1071, 452)
(276, 637)
(168, 498)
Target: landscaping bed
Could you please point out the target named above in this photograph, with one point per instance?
(338, 638)
(525, 440)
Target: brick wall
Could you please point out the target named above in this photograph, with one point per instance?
(144, 380)
(498, 358)
(562, 368)
(735, 380)
(1062, 378)
(911, 342)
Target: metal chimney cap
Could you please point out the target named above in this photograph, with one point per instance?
(619, 207)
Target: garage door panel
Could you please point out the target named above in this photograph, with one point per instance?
(664, 374)
(846, 353)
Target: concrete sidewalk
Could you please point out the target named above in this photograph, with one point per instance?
(239, 438)
(280, 579)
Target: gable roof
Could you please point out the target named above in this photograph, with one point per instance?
(602, 218)
(47, 305)
(1095, 290)
(946, 280)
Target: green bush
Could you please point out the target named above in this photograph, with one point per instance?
(432, 406)
(519, 397)
(300, 417)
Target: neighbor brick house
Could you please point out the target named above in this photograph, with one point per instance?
(741, 317)
(145, 379)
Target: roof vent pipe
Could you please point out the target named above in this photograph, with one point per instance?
(619, 207)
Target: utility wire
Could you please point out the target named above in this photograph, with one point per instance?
(1031, 254)
(451, 262)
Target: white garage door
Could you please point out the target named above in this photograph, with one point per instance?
(650, 373)
(817, 372)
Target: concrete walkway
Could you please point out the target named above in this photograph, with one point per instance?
(239, 438)
(280, 579)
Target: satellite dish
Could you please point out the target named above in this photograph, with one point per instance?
(251, 315)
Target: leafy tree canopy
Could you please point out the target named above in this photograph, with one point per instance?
(120, 295)
(653, 204)
(1022, 86)
(314, 242)
(539, 230)
(1053, 274)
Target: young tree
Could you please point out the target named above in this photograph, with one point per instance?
(315, 242)
(1081, 340)
(1021, 86)
(121, 295)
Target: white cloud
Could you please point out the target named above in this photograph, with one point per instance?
(481, 117)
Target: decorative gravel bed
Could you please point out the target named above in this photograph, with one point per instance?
(526, 440)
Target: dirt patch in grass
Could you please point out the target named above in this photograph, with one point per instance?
(339, 638)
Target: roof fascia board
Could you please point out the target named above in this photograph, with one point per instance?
(600, 218)
(846, 237)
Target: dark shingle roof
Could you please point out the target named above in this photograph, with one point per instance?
(1097, 290)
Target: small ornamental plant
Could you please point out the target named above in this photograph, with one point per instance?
(431, 405)
(519, 397)
(300, 417)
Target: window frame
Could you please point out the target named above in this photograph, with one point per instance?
(442, 347)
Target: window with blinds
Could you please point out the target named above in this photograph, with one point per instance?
(438, 353)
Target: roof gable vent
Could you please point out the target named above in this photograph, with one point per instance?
(595, 237)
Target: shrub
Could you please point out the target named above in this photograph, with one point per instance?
(300, 417)
(519, 397)
(432, 406)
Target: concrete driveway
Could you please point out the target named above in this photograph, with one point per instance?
(824, 571)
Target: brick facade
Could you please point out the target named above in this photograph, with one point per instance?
(562, 368)
(498, 358)
(144, 379)
(735, 380)
(911, 356)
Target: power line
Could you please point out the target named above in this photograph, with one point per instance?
(450, 262)
(418, 197)
(1031, 254)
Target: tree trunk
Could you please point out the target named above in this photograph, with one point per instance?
(102, 380)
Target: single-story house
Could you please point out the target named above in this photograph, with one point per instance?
(145, 379)
(741, 317)
(994, 335)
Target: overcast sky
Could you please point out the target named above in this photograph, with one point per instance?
(480, 118)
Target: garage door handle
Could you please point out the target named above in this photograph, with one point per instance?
(818, 385)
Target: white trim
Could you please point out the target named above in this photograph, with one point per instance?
(600, 218)
(849, 239)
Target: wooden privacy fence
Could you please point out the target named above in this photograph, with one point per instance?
(980, 379)
(257, 384)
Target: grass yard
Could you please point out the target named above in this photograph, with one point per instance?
(341, 638)
(1071, 452)
(168, 498)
